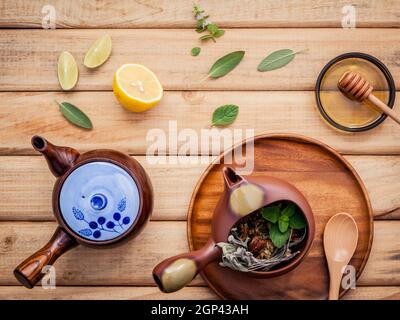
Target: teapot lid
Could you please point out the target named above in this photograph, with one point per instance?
(99, 201)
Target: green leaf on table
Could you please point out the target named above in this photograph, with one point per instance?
(200, 25)
(215, 31)
(203, 23)
(278, 238)
(225, 115)
(196, 10)
(298, 221)
(207, 37)
(195, 51)
(212, 28)
(271, 213)
(219, 33)
(289, 210)
(226, 64)
(75, 115)
(276, 60)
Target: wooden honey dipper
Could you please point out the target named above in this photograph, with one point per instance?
(355, 87)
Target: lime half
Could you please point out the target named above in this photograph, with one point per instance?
(98, 53)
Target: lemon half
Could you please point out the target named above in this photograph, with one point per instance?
(136, 87)
(67, 71)
(98, 53)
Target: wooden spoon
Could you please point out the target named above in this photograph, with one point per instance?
(355, 87)
(340, 242)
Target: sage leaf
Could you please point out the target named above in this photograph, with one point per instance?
(278, 238)
(226, 64)
(276, 60)
(298, 221)
(195, 51)
(75, 115)
(271, 213)
(225, 115)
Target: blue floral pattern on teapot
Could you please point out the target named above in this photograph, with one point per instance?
(95, 228)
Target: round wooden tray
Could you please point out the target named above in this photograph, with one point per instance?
(330, 185)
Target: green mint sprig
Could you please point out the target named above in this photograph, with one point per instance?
(204, 24)
(282, 222)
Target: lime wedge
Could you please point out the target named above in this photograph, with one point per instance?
(67, 71)
(98, 52)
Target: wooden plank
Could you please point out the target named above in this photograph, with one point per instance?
(372, 293)
(104, 293)
(25, 114)
(152, 293)
(28, 58)
(131, 264)
(383, 264)
(166, 14)
(26, 185)
(379, 175)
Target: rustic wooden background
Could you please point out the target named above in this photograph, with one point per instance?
(160, 34)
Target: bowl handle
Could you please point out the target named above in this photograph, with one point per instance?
(29, 272)
(176, 272)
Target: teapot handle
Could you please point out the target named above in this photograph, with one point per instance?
(176, 272)
(29, 272)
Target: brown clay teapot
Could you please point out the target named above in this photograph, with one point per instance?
(100, 198)
(242, 196)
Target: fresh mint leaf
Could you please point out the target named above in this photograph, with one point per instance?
(212, 28)
(225, 115)
(283, 223)
(207, 37)
(195, 51)
(289, 210)
(298, 221)
(278, 238)
(203, 24)
(196, 10)
(199, 25)
(271, 213)
(219, 33)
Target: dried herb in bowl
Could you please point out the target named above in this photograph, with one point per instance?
(265, 239)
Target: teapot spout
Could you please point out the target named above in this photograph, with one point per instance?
(231, 177)
(59, 159)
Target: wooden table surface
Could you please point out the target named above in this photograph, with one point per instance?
(160, 34)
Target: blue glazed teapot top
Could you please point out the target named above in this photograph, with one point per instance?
(100, 198)
(99, 201)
